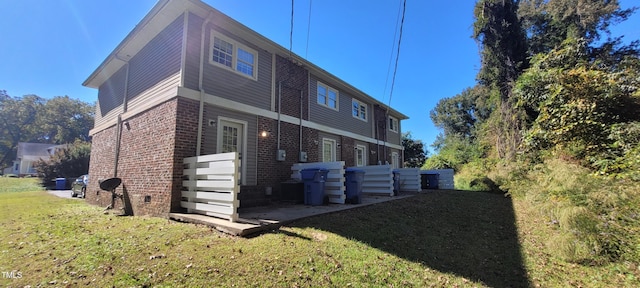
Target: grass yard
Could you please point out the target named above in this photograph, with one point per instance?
(437, 239)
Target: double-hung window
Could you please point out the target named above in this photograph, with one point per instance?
(359, 110)
(327, 96)
(232, 55)
(393, 124)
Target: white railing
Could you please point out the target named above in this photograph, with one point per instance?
(410, 180)
(377, 180)
(211, 185)
(333, 185)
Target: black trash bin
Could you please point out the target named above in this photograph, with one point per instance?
(430, 181)
(354, 179)
(314, 179)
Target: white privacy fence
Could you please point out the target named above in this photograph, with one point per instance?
(333, 185)
(211, 185)
(410, 180)
(377, 180)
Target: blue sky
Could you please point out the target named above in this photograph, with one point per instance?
(49, 47)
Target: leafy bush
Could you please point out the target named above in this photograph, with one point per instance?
(68, 162)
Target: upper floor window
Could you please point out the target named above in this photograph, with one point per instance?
(327, 96)
(232, 55)
(359, 110)
(393, 124)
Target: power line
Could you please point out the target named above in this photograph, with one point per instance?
(291, 32)
(306, 50)
(395, 68)
(395, 33)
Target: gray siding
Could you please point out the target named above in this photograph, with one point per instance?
(210, 137)
(343, 118)
(158, 60)
(225, 83)
(192, 61)
(111, 92)
(395, 137)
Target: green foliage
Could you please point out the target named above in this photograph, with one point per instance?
(457, 115)
(549, 23)
(68, 162)
(414, 152)
(453, 152)
(594, 218)
(59, 120)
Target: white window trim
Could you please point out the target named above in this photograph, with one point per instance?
(326, 104)
(333, 148)
(360, 104)
(364, 155)
(234, 62)
(395, 127)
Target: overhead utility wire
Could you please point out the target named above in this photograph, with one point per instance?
(306, 50)
(395, 33)
(291, 32)
(395, 69)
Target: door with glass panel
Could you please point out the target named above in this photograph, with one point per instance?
(231, 139)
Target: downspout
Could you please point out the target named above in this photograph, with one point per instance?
(300, 148)
(200, 85)
(279, 110)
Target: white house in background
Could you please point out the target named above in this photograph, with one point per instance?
(28, 154)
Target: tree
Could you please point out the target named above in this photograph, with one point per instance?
(34, 119)
(68, 162)
(18, 118)
(459, 114)
(414, 153)
(549, 23)
(503, 53)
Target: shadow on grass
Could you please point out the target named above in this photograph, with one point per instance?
(470, 234)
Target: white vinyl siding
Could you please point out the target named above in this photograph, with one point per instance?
(233, 55)
(327, 96)
(359, 110)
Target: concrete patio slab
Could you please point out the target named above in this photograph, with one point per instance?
(257, 219)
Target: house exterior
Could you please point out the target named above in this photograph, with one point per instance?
(26, 156)
(189, 80)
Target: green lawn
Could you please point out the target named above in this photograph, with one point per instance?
(437, 239)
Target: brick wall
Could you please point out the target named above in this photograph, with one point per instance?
(294, 79)
(152, 147)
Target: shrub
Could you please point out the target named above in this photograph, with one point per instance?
(68, 162)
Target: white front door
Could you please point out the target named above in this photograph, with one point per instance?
(395, 160)
(231, 138)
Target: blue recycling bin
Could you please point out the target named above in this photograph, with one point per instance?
(354, 179)
(396, 182)
(314, 179)
(61, 183)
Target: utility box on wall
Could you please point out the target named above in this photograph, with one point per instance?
(281, 155)
(303, 157)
